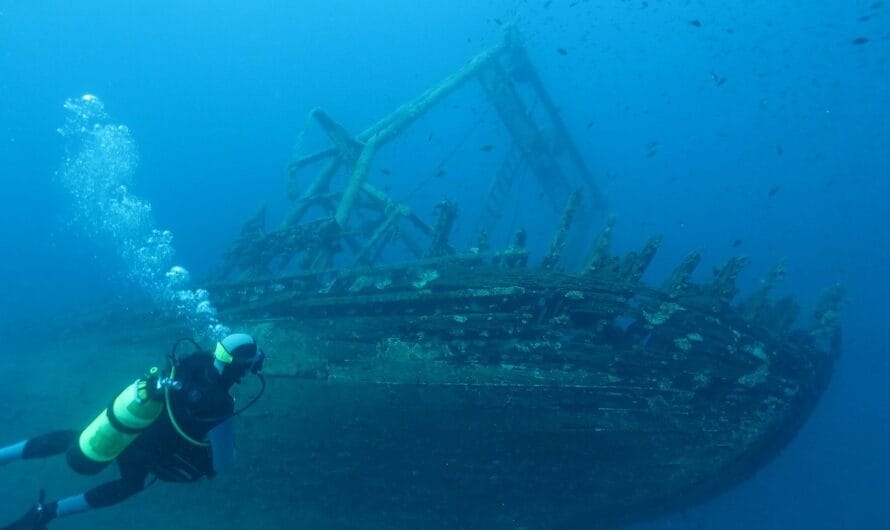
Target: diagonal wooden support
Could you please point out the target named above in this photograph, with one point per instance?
(499, 189)
(522, 68)
(356, 179)
(348, 148)
(319, 185)
(525, 133)
(387, 128)
(408, 213)
(383, 229)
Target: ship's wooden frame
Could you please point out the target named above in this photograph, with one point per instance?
(488, 388)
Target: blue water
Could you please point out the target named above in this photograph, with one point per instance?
(755, 127)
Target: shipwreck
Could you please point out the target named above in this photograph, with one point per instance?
(492, 386)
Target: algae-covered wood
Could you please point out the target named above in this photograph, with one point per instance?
(461, 393)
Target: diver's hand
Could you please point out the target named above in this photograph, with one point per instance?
(36, 518)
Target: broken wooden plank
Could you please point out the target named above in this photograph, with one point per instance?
(565, 224)
(599, 256)
(680, 278)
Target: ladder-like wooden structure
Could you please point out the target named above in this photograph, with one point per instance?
(507, 77)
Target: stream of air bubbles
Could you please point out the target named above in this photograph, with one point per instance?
(99, 166)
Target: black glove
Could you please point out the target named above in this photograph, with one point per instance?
(36, 518)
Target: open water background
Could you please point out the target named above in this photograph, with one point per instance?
(758, 128)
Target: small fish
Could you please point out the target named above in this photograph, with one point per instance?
(651, 148)
(695, 23)
(864, 18)
(590, 124)
(385, 171)
(440, 173)
(562, 51)
(737, 243)
(877, 5)
(644, 5)
(858, 41)
(499, 22)
(773, 191)
(486, 148)
(779, 150)
(717, 79)
(429, 137)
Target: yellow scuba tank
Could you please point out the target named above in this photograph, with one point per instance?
(115, 428)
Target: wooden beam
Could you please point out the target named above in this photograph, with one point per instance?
(515, 116)
(522, 61)
(565, 224)
(356, 179)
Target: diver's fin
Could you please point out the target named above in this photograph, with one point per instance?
(37, 517)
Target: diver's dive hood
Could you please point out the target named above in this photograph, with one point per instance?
(237, 354)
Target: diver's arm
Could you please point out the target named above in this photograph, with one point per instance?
(222, 445)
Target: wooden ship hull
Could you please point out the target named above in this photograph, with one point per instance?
(464, 392)
(471, 389)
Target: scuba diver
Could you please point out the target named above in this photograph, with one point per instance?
(193, 439)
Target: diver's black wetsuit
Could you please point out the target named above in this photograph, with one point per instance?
(202, 403)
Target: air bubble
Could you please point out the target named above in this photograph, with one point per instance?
(100, 163)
